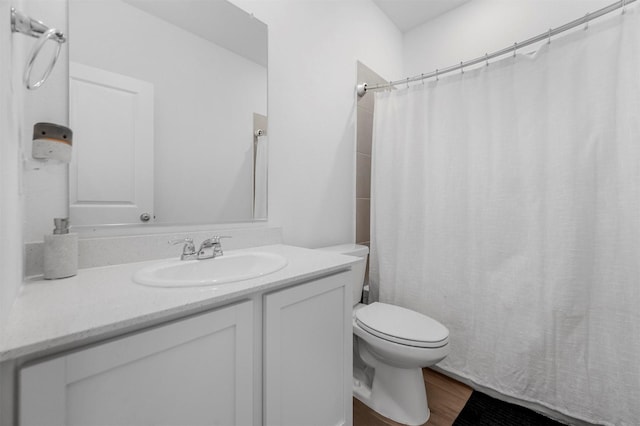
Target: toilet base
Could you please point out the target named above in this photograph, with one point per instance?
(396, 393)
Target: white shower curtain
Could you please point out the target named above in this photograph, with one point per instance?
(506, 205)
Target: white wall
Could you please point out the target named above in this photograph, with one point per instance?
(45, 184)
(313, 48)
(484, 26)
(10, 199)
(19, 110)
(205, 97)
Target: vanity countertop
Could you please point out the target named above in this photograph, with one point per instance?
(100, 302)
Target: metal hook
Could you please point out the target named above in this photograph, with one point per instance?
(515, 47)
(486, 59)
(586, 21)
(549, 39)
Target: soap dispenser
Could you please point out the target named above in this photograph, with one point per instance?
(60, 251)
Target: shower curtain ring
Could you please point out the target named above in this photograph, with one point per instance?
(461, 68)
(407, 82)
(624, 6)
(549, 39)
(586, 21)
(486, 59)
(515, 47)
(422, 78)
(437, 78)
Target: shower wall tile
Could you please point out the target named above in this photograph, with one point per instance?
(365, 130)
(363, 175)
(363, 214)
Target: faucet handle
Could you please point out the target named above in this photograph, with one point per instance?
(188, 248)
(181, 241)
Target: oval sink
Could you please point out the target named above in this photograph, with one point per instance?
(224, 269)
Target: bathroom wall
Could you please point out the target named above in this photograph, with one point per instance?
(481, 26)
(44, 184)
(10, 198)
(19, 109)
(313, 48)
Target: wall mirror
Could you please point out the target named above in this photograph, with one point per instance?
(168, 104)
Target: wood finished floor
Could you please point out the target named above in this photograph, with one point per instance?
(446, 399)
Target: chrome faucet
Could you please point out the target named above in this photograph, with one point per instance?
(211, 248)
(188, 250)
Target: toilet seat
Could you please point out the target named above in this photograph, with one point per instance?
(402, 326)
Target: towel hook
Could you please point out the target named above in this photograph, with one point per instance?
(586, 21)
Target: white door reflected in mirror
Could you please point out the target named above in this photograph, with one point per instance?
(111, 172)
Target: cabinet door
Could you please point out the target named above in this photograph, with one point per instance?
(196, 371)
(307, 353)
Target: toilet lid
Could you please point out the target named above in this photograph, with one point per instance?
(401, 325)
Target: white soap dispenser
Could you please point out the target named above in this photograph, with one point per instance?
(60, 251)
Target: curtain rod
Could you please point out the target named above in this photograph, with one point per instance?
(362, 88)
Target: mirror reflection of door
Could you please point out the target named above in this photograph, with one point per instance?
(111, 174)
(207, 63)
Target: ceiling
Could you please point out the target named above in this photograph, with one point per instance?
(220, 22)
(408, 14)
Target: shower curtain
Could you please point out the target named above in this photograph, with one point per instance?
(506, 205)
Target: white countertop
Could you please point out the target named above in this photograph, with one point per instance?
(100, 301)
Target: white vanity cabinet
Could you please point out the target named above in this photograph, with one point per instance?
(196, 371)
(308, 354)
(281, 356)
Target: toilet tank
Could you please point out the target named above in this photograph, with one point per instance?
(356, 250)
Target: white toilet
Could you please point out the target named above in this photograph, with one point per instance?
(390, 346)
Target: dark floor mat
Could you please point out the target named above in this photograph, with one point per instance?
(482, 410)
